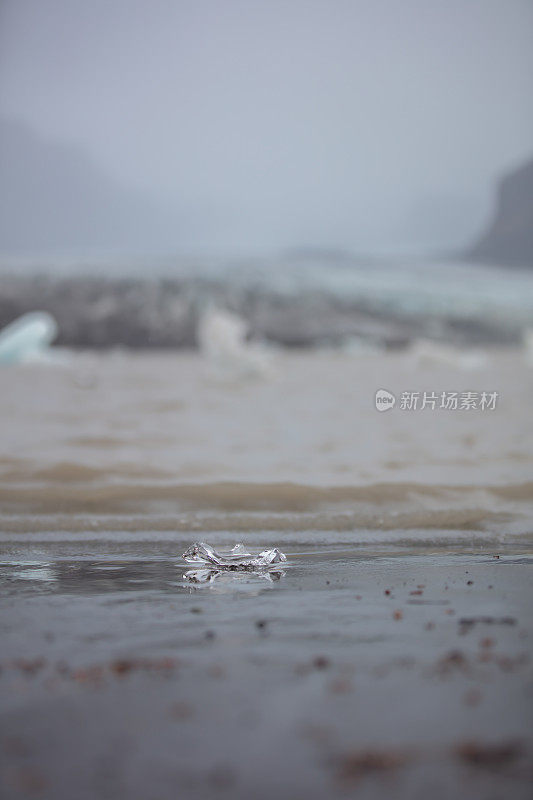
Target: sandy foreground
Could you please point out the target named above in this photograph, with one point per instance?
(376, 672)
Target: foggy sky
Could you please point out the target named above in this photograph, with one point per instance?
(363, 124)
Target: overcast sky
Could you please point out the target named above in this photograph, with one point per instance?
(272, 123)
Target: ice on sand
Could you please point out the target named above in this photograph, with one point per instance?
(236, 559)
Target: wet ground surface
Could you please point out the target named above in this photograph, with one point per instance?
(375, 671)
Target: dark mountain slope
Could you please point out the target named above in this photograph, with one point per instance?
(509, 237)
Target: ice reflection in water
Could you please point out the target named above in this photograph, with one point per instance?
(140, 577)
(34, 573)
(210, 575)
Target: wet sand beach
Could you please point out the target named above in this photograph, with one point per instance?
(375, 671)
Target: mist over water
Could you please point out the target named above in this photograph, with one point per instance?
(243, 127)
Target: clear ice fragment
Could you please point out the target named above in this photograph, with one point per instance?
(237, 558)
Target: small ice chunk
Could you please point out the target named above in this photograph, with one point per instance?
(237, 558)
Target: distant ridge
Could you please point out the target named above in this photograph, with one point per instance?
(508, 239)
(55, 196)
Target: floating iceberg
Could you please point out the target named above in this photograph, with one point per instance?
(27, 338)
(222, 341)
(236, 559)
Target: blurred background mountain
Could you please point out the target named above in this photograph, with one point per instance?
(55, 196)
(508, 239)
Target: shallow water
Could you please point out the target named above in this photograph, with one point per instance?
(132, 443)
